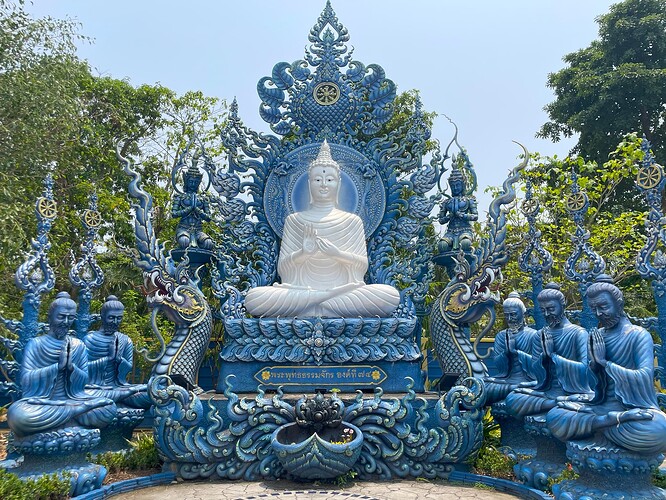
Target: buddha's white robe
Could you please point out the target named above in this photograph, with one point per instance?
(319, 284)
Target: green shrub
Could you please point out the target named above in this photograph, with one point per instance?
(49, 487)
(492, 462)
(659, 479)
(142, 455)
(567, 473)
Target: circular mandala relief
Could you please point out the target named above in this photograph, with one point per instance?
(649, 177)
(326, 93)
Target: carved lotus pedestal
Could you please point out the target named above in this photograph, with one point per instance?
(549, 459)
(609, 472)
(514, 440)
(58, 452)
(317, 455)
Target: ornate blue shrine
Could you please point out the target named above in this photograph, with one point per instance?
(326, 104)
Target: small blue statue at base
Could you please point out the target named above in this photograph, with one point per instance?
(512, 353)
(621, 426)
(513, 357)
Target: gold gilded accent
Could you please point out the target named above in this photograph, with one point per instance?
(326, 93)
(649, 177)
(47, 208)
(92, 218)
(576, 201)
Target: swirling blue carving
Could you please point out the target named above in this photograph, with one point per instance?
(86, 274)
(651, 259)
(534, 259)
(232, 438)
(171, 289)
(469, 295)
(583, 264)
(320, 341)
(35, 277)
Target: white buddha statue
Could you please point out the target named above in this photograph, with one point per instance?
(323, 259)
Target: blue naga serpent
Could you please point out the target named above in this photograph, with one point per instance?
(469, 295)
(169, 289)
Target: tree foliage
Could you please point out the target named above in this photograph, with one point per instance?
(56, 116)
(615, 86)
(616, 237)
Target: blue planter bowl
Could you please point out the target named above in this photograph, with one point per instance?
(313, 456)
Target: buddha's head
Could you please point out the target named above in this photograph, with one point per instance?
(62, 314)
(552, 304)
(606, 301)
(324, 178)
(112, 315)
(514, 311)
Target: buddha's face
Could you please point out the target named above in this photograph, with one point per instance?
(552, 312)
(605, 309)
(61, 319)
(513, 315)
(111, 320)
(324, 184)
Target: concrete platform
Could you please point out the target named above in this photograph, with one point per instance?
(285, 490)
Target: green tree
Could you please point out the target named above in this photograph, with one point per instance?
(55, 115)
(616, 237)
(615, 86)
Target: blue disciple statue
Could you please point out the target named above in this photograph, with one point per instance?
(512, 353)
(560, 367)
(624, 408)
(110, 360)
(54, 373)
(458, 212)
(193, 209)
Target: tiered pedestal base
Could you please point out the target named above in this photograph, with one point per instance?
(514, 441)
(549, 459)
(610, 473)
(61, 452)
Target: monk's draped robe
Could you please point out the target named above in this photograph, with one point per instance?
(53, 398)
(108, 378)
(563, 374)
(626, 382)
(512, 368)
(321, 285)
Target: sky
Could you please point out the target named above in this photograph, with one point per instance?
(483, 63)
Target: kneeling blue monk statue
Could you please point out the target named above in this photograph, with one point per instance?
(54, 373)
(110, 360)
(624, 408)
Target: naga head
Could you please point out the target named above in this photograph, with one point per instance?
(471, 296)
(177, 295)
